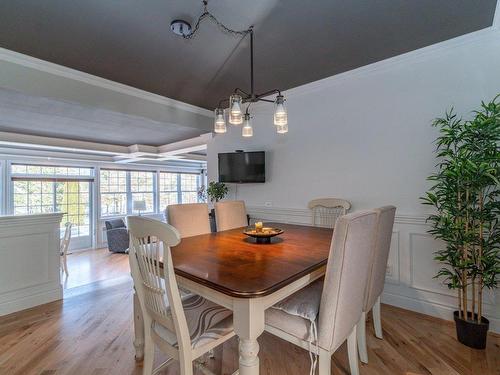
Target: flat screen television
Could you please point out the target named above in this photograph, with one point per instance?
(242, 167)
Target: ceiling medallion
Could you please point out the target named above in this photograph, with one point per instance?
(232, 107)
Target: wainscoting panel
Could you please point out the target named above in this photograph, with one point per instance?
(29, 271)
(411, 267)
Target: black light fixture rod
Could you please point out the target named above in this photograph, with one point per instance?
(251, 63)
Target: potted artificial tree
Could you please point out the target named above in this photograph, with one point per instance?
(215, 192)
(466, 197)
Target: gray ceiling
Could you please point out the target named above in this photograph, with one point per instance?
(35, 115)
(296, 41)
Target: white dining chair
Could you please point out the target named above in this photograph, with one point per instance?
(326, 211)
(320, 317)
(230, 215)
(64, 246)
(182, 328)
(190, 219)
(376, 277)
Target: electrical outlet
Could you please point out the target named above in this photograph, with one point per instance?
(268, 204)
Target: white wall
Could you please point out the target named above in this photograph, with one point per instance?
(366, 136)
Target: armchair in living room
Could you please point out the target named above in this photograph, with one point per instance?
(117, 235)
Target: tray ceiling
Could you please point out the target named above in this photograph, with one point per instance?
(129, 41)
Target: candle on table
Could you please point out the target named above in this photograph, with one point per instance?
(258, 226)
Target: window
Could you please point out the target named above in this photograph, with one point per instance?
(189, 188)
(168, 189)
(38, 189)
(142, 189)
(113, 192)
(178, 188)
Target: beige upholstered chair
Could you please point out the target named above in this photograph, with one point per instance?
(376, 277)
(65, 241)
(190, 219)
(326, 211)
(230, 215)
(335, 308)
(183, 328)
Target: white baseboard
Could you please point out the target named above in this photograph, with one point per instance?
(28, 301)
(437, 310)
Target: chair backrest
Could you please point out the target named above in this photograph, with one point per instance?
(153, 273)
(67, 238)
(230, 215)
(190, 219)
(346, 277)
(382, 245)
(115, 223)
(326, 211)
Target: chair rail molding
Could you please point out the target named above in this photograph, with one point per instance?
(411, 267)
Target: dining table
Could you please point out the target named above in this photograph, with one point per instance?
(232, 270)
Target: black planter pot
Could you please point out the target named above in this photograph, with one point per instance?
(470, 333)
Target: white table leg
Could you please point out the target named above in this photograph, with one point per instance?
(248, 324)
(138, 330)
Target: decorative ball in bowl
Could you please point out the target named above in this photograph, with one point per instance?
(262, 234)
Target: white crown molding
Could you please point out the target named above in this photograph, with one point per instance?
(496, 17)
(181, 150)
(62, 71)
(382, 65)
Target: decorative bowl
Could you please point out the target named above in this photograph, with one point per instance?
(263, 236)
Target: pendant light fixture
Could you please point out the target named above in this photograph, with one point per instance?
(238, 98)
(247, 130)
(220, 121)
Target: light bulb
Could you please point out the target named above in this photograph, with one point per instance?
(280, 114)
(247, 130)
(235, 114)
(219, 121)
(282, 129)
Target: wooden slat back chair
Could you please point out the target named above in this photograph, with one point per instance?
(376, 277)
(326, 211)
(230, 215)
(65, 241)
(184, 329)
(190, 219)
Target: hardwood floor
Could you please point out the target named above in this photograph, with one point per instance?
(86, 267)
(90, 332)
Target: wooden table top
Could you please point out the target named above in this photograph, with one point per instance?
(234, 264)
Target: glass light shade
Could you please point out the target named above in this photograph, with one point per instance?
(219, 121)
(280, 114)
(282, 129)
(235, 114)
(247, 130)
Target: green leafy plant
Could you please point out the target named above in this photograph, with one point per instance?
(465, 194)
(216, 191)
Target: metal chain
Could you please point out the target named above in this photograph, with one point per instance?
(211, 17)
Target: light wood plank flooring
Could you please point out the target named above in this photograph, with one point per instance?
(91, 332)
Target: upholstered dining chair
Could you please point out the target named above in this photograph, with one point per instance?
(182, 328)
(65, 241)
(230, 215)
(376, 277)
(320, 317)
(326, 211)
(190, 219)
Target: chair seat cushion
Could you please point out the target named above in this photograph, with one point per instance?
(297, 313)
(291, 324)
(206, 322)
(304, 303)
